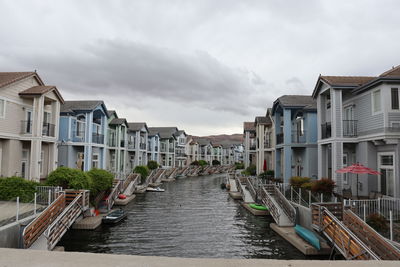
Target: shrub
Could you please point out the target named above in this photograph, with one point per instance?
(102, 180)
(152, 165)
(13, 187)
(323, 185)
(378, 222)
(239, 166)
(307, 186)
(195, 163)
(270, 172)
(203, 163)
(263, 175)
(143, 171)
(251, 170)
(69, 178)
(216, 162)
(297, 181)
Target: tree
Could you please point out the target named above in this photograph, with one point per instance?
(203, 163)
(13, 187)
(216, 162)
(69, 178)
(152, 165)
(143, 171)
(102, 180)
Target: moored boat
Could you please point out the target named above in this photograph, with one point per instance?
(114, 217)
(155, 189)
(308, 236)
(257, 206)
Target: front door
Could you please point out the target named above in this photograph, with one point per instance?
(25, 164)
(386, 179)
(349, 126)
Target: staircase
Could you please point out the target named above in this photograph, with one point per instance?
(279, 207)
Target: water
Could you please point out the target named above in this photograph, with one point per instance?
(194, 217)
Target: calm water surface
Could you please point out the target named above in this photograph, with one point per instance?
(194, 217)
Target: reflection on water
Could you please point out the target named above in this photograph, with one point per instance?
(194, 217)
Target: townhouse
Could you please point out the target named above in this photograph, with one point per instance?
(295, 118)
(138, 133)
(359, 121)
(180, 149)
(249, 133)
(216, 153)
(265, 142)
(192, 149)
(83, 127)
(167, 145)
(118, 162)
(29, 125)
(153, 147)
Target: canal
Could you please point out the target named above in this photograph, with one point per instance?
(194, 217)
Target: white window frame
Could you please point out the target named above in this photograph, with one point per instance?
(3, 113)
(80, 133)
(393, 167)
(373, 102)
(26, 161)
(398, 95)
(97, 161)
(393, 122)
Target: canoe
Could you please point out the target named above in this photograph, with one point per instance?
(258, 207)
(308, 236)
(114, 217)
(152, 189)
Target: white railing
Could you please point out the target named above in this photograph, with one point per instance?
(113, 195)
(384, 206)
(47, 194)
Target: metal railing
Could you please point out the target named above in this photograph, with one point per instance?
(113, 195)
(47, 194)
(98, 138)
(349, 128)
(131, 145)
(279, 138)
(142, 146)
(78, 136)
(299, 137)
(326, 130)
(112, 141)
(384, 206)
(48, 129)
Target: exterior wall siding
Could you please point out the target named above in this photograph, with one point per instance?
(366, 122)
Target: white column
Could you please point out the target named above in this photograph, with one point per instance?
(36, 143)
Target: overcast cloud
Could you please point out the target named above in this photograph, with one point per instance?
(204, 66)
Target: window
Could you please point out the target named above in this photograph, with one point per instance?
(24, 163)
(80, 126)
(328, 101)
(395, 98)
(386, 168)
(2, 108)
(345, 175)
(41, 162)
(395, 125)
(95, 160)
(112, 162)
(376, 101)
(46, 117)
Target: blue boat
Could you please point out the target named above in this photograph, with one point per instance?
(308, 236)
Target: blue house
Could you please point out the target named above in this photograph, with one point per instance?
(295, 119)
(83, 127)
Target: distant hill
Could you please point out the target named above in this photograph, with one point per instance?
(224, 138)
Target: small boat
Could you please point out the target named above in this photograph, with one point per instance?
(154, 189)
(114, 217)
(257, 206)
(308, 236)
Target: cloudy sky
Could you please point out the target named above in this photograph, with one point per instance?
(204, 66)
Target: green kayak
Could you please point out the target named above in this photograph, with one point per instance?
(258, 207)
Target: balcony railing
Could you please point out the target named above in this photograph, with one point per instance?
(131, 145)
(349, 128)
(48, 129)
(326, 130)
(253, 147)
(299, 137)
(156, 148)
(171, 150)
(98, 138)
(26, 127)
(112, 142)
(78, 136)
(279, 138)
(142, 146)
(267, 144)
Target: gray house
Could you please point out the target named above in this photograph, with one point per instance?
(359, 121)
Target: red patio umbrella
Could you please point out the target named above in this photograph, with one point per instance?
(265, 166)
(358, 168)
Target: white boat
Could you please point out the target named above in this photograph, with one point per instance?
(154, 189)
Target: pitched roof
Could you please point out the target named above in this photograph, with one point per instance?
(80, 105)
(164, 132)
(393, 72)
(262, 120)
(118, 121)
(137, 126)
(248, 126)
(296, 100)
(111, 112)
(201, 141)
(346, 80)
(41, 90)
(7, 78)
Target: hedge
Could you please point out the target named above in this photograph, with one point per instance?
(69, 178)
(13, 187)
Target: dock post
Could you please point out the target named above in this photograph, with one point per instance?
(391, 225)
(34, 205)
(300, 196)
(309, 198)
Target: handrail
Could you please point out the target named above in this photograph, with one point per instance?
(345, 241)
(238, 185)
(376, 242)
(284, 203)
(113, 195)
(251, 188)
(36, 227)
(267, 200)
(58, 227)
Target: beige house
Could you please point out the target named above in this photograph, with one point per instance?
(29, 117)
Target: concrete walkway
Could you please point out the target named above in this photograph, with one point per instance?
(34, 258)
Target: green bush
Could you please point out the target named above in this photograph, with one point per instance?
(323, 185)
(251, 170)
(378, 222)
(203, 163)
(195, 163)
(270, 172)
(143, 171)
(216, 162)
(239, 166)
(69, 178)
(13, 187)
(307, 186)
(152, 165)
(297, 181)
(102, 180)
(263, 175)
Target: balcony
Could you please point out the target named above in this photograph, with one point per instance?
(112, 142)
(171, 150)
(156, 148)
(267, 144)
(279, 138)
(131, 145)
(142, 146)
(299, 137)
(78, 136)
(349, 128)
(253, 147)
(326, 130)
(98, 138)
(48, 129)
(26, 127)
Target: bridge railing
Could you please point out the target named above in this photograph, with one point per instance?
(345, 241)
(283, 202)
(60, 226)
(250, 187)
(238, 185)
(71, 195)
(267, 200)
(113, 195)
(34, 229)
(47, 194)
